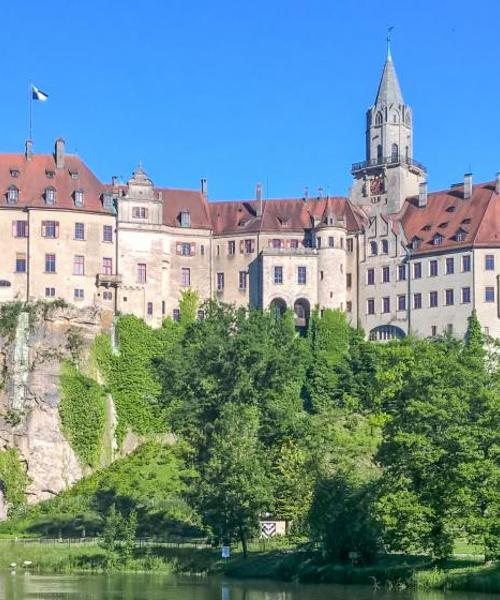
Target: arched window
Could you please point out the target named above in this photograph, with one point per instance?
(185, 219)
(394, 153)
(378, 118)
(385, 247)
(379, 152)
(373, 248)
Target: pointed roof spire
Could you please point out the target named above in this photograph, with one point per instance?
(389, 91)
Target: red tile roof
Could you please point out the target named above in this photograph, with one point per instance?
(447, 213)
(32, 182)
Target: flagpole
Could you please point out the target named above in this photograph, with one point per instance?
(30, 92)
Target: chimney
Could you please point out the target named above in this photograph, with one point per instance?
(467, 186)
(306, 193)
(29, 150)
(114, 180)
(259, 198)
(204, 186)
(497, 183)
(59, 153)
(422, 194)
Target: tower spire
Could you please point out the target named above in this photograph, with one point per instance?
(389, 91)
(389, 35)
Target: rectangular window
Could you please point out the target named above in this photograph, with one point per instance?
(242, 280)
(433, 268)
(218, 250)
(50, 292)
(449, 329)
(370, 306)
(402, 302)
(321, 275)
(318, 242)
(489, 294)
(107, 266)
(79, 231)
(50, 229)
(466, 263)
(348, 306)
(434, 330)
(433, 299)
(79, 294)
(50, 263)
(78, 265)
(150, 309)
(417, 270)
(350, 245)
(186, 249)
(402, 272)
(465, 295)
(107, 295)
(107, 233)
(448, 297)
(348, 280)
(185, 277)
(278, 275)
(489, 262)
(386, 304)
(220, 282)
(331, 242)
(141, 273)
(370, 276)
(294, 244)
(301, 275)
(275, 243)
(386, 275)
(176, 315)
(417, 300)
(248, 246)
(139, 212)
(202, 249)
(231, 247)
(21, 263)
(20, 229)
(450, 266)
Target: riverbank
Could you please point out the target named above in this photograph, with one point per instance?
(392, 571)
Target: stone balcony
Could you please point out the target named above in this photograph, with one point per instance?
(108, 280)
(290, 252)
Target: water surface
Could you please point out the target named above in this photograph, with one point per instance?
(163, 587)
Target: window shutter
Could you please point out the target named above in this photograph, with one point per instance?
(57, 229)
(26, 229)
(253, 245)
(193, 249)
(242, 246)
(179, 248)
(14, 228)
(44, 224)
(269, 243)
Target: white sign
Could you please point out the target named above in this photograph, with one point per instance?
(226, 552)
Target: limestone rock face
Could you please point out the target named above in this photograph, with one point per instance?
(30, 362)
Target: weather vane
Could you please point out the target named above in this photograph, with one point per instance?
(389, 35)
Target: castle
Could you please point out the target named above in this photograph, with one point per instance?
(396, 258)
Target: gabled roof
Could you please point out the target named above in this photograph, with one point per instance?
(32, 181)
(478, 217)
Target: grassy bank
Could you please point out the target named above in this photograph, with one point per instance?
(418, 572)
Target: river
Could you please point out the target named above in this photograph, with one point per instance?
(162, 587)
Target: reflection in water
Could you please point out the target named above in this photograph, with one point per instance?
(160, 587)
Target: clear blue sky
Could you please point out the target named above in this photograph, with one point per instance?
(240, 92)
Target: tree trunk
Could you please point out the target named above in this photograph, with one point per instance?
(243, 539)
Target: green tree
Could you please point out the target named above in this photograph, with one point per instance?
(188, 306)
(235, 487)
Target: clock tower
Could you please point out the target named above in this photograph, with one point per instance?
(389, 174)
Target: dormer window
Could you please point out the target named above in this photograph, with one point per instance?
(185, 219)
(50, 195)
(460, 235)
(78, 195)
(12, 194)
(426, 228)
(437, 240)
(415, 243)
(50, 174)
(14, 173)
(373, 248)
(443, 225)
(107, 201)
(284, 221)
(465, 221)
(451, 209)
(73, 174)
(385, 247)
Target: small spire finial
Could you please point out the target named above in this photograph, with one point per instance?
(389, 35)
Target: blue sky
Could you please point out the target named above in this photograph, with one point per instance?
(241, 92)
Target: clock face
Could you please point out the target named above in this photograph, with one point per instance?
(377, 185)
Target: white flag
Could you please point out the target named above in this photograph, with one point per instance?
(38, 94)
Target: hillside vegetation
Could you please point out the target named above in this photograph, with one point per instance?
(364, 448)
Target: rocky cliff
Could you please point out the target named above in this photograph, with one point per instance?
(31, 354)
